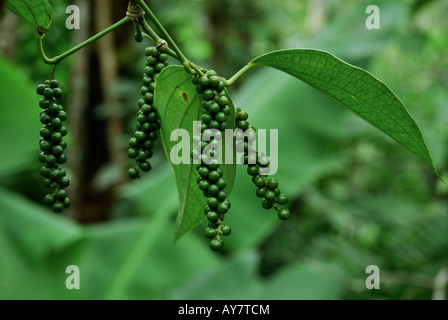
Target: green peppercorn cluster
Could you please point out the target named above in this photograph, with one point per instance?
(267, 188)
(142, 143)
(52, 145)
(215, 110)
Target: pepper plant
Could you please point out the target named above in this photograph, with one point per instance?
(177, 97)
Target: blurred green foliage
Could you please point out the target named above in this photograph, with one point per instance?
(358, 198)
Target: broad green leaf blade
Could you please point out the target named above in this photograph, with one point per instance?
(37, 13)
(17, 92)
(35, 229)
(178, 105)
(355, 89)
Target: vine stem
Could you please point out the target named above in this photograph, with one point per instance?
(156, 39)
(185, 62)
(64, 55)
(237, 75)
(138, 32)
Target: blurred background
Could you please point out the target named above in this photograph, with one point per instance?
(357, 197)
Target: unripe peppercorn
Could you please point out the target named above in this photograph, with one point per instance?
(215, 245)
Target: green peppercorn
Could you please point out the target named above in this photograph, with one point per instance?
(213, 176)
(54, 83)
(282, 199)
(261, 192)
(44, 145)
(140, 135)
(45, 172)
(259, 181)
(150, 71)
(222, 208)
(252, 170)
(50, 160)
(203, 81)
(44, 103)
(47, 182)
(133, 142)
(45, 118)
(212, 203)
(49, 199)
(132, 153)
(58, 93)
(151, 61)
(284, 214)
(62, 159)
(61, 195)
(208, 94)
(163, 57)
(272, 184)
(153, 117)
(149, 144)
(145, 166)
(226, 230)
(212, 216)
(214, 125)
(133, 173)
(159, 66)
(223, 101)
(56, 123)
(216, 245)
(213, 165)
(64, 182)
(215, 108)
(221, 184)
(57, 150)
(267, 204)
(58, 207)
(243, 125)
(151, 51)
(221, 195)
(42, 157)
(63, 131)
(152, 136)
(210, 233)
(40, 89)
(48, 93)
(66, 203)
(56, 137)
(203, 185)
(213, 190)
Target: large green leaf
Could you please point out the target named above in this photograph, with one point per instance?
(37, 13)
(178, 105)
(312, 280)
(37, 231)
(354, 89)
(19, 119)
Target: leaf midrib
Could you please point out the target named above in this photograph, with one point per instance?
(190, 171)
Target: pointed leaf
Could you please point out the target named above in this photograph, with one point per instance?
(178, 105)
(355, 89)
(37, 13)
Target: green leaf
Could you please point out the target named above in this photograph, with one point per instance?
(17, 96)
(37, 13)
(35, 229)
(178, 105)
(355, 89)
(234, 278)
